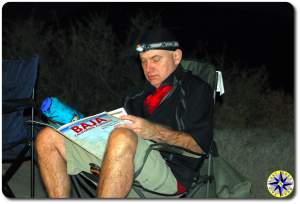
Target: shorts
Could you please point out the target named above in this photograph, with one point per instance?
(156, 175)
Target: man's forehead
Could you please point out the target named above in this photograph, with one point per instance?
(152, 53)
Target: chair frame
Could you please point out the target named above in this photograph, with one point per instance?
(29, 146)
(13, 105)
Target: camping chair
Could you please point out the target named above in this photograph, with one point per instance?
(18, 82)
(203, 185)
(207, 73)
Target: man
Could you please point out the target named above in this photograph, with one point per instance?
(174, 107)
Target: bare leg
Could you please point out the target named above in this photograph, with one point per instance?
(52, 163)
(117, 170)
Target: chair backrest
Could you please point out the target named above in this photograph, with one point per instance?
(206, 71)
(18, 81)
(18, 78)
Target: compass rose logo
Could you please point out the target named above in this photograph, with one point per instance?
(280, 184)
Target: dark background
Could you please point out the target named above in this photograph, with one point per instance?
(255, 34)
(90, 70)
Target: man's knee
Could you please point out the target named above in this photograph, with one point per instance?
(122, 139)
(48, 138)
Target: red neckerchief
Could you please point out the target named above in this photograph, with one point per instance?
(153, 100)
(180, 187)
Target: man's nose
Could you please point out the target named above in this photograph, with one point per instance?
(148, 67)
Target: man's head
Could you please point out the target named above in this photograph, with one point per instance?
(159, 54)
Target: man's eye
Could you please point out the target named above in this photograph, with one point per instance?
(156, 58)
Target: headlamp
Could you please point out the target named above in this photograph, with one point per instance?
(160, 45)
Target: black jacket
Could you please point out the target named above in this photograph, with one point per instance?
(188, 108)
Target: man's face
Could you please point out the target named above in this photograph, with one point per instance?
(158, 65)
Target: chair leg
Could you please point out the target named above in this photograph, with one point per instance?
(80, 182)
(32, 170)
(16, 164)
(12, 170)
(209, 174)
(7, 191)
(76, 186)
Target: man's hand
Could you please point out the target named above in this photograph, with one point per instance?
(141, 127)
(160, 133)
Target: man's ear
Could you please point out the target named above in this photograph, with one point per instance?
(177, 56)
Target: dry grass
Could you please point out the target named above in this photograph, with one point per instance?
(258, 152)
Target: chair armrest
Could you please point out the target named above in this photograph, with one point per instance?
(163, 147)
(12, 105)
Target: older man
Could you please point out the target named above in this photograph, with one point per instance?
(173, 107)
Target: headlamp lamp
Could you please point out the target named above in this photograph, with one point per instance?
(160, 45)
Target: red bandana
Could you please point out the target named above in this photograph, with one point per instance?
(180, 187)
(153, 100)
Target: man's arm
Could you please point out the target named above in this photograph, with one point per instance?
(178, 138)
(160, 133)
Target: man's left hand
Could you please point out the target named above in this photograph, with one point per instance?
(141, 127)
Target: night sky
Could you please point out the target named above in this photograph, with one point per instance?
(254, 33)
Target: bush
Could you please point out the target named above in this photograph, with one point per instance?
(83, 64)
(91, 67)
(249, 102)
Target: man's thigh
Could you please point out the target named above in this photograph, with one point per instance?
(78, 159)
(155, 174)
